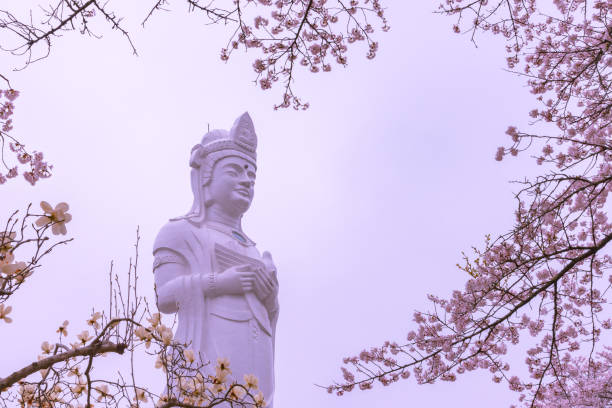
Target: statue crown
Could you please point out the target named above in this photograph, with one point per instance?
(241, 139)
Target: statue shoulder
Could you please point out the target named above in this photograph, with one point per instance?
(173, 235)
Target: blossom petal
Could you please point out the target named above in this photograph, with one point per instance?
(44, 220)
(46, 207)
(63, 207)
(55, 229)
(59, 228)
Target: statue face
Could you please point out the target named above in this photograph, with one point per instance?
(231, 185)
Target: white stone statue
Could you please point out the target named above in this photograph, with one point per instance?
(210, 272)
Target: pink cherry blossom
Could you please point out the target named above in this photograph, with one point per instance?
(541, 288)
(317, 32)
(33, 166)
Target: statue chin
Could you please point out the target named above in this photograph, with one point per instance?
(240, 204)
(237, 204)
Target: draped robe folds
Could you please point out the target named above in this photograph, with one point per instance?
(237, 327)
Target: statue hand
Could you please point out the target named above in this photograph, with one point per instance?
(267, 260)
(235, 280)
(270, 273)
(264, 284)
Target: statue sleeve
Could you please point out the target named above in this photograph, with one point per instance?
(170, 266)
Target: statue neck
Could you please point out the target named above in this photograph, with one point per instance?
(216, 214)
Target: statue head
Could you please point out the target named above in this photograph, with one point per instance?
(223, 168)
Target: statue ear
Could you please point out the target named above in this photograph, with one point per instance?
(208, 202)
(206, 196)
(243, 133)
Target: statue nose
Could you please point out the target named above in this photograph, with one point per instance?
(246, 181)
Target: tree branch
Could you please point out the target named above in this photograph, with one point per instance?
(90, 350)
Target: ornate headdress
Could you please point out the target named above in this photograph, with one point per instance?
(217, 144)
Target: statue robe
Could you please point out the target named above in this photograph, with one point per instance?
(237, 327)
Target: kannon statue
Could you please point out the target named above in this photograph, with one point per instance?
(210, 272)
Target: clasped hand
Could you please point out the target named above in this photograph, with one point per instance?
(248, 278)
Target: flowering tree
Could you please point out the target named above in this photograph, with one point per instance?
(282, 35)
(544, 283)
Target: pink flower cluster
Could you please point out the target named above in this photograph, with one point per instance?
(542, 287)
(37, 168)
(566, 58)
(313, 34)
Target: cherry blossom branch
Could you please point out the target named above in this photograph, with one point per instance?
(64, 15)
(33, 40)
(281, 33)
(551, 267)
(37, 168)
(478, 330)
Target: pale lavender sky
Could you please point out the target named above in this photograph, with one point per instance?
(365, 201)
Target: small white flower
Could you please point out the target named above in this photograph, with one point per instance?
(259, 400)
(189, 356)
(103, 391)
(236, 393)
(57, 216)
(8, 268)
(167, 336)
(62, 329)
(141, 395)
(251, 381)
(223, 364)
(4, 311)
(93, 320)
(6, 239)
(160, 362)
(79, 387)
(84, 337)
(162, 400)
(46, 347)
(142, 333)
(155, 319)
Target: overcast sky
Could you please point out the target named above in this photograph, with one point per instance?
(365, 201)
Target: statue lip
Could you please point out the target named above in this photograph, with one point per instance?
(243, 191)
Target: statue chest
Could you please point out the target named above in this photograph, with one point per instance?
(229, 250)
